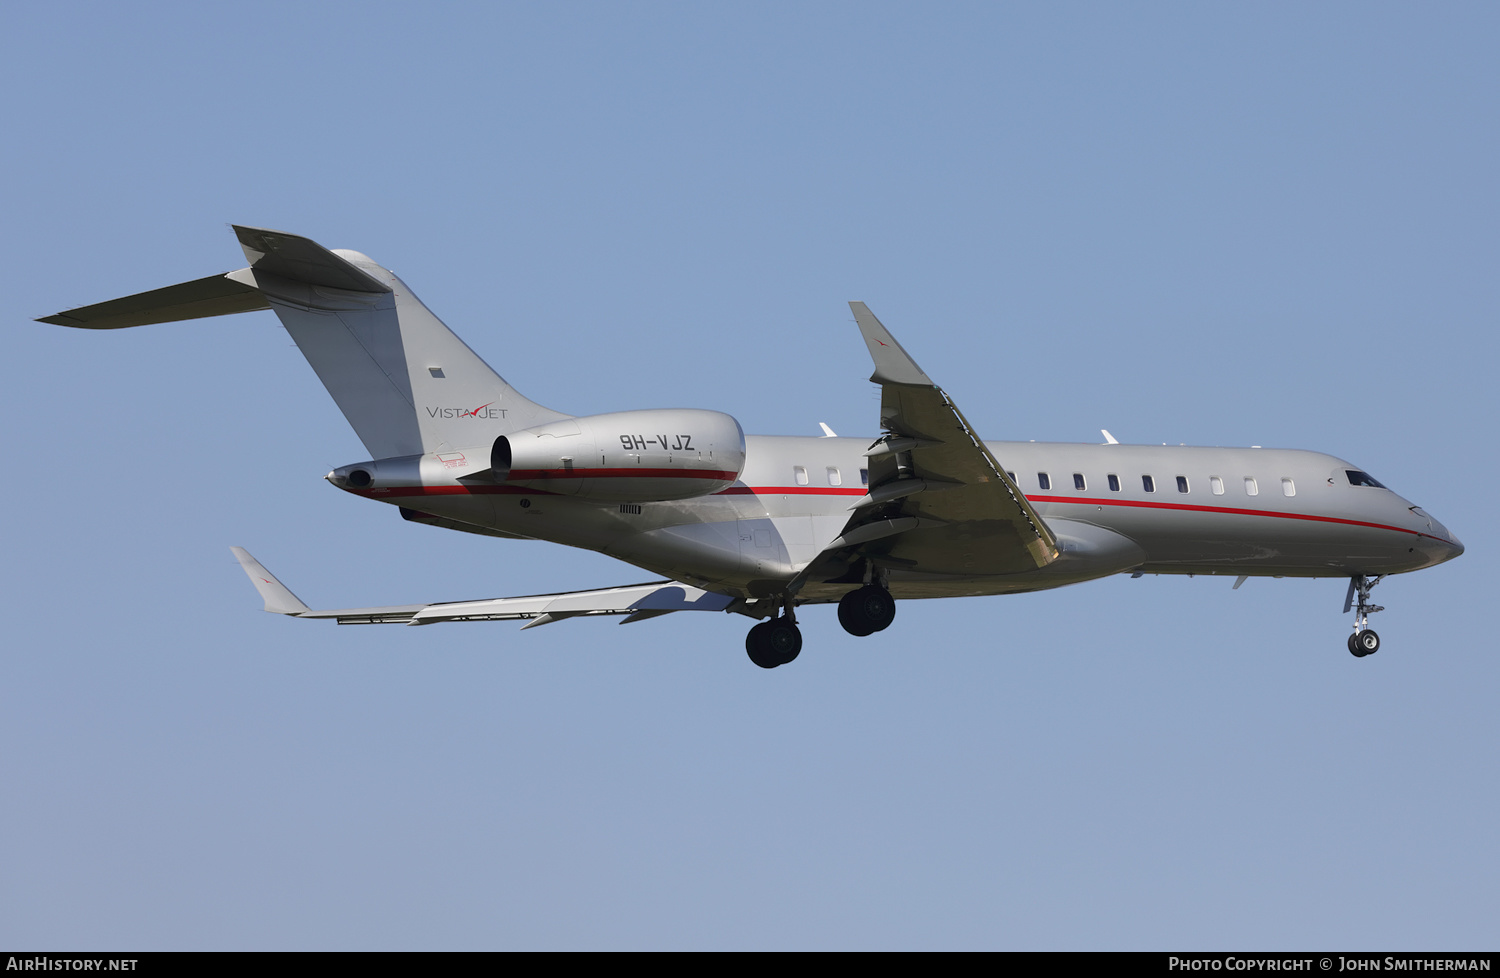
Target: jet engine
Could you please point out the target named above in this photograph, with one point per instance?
(629, 456)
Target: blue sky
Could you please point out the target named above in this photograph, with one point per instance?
(1266, 224)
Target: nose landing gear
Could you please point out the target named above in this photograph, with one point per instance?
(1364, 641)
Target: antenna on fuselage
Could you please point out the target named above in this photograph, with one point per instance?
(1109, 439)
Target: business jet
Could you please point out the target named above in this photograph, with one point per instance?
(762, 525)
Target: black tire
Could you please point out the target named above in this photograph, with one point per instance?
(1354, 648)
(759, 648)
(867, 610)
(784, 640)
(1368, 642)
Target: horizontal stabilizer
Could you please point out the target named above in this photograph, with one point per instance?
(289, 256)
(216, 295)
(405, 382)
(303, 260)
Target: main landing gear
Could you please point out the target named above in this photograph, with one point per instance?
(776, 642)
(867, 610)
(1364, 641)
(863, 611)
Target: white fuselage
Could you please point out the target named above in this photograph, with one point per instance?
(1115, 508)
(758, 524)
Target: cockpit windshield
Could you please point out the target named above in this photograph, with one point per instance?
(1358, 478)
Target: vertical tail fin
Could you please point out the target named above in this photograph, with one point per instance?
(404, 381)
(407, 385)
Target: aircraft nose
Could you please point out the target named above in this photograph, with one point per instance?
(1436, 542)
(1447, 546)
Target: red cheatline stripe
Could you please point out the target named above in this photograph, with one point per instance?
(526, 490)
(788, 491)
(451, 491)
(625, 473)
(837, 491)
(1144, 504)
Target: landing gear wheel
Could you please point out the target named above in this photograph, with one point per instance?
(773, 643)
(758, 649)
(867, 610)
(1363, 642)
(785, 640)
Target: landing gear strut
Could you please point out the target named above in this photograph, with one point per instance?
(776, 642)
(1364, 641)
(867, 610)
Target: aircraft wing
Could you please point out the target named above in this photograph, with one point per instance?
(939, 502)
(636, 602)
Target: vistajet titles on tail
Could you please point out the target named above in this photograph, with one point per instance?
(762, 525)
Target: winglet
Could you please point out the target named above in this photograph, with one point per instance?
(893, 365)
(279, 600)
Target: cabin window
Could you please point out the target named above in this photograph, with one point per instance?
(1251, 488)
(1044, 480)
(1288, 487)
(864, 477)
(1182, 485)
(1358, 478)
(1114, 482)
(1148, 483)
(1078, 482)
(800, 474)
(1216, 485)
(834, 478)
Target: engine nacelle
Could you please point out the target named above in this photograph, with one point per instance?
(438, 470)
(630, 456)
